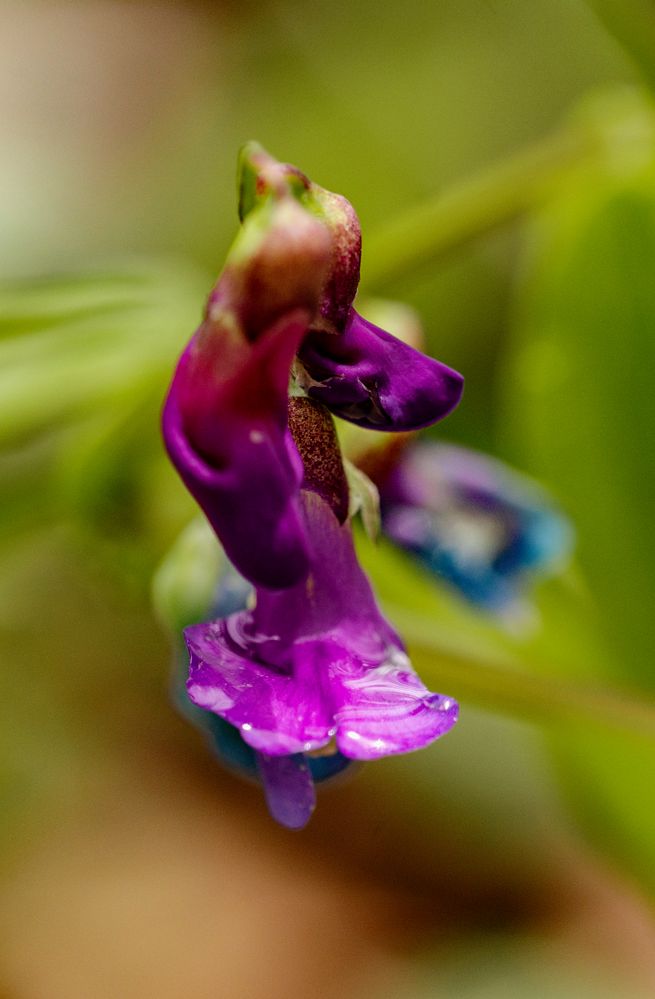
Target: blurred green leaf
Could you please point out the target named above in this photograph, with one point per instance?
(515, 965)
(41, 303)
(65, 354)
(580, 401)
(580, 413)
(632, 23)
(472, 657)
(474, 207)
(84, 363)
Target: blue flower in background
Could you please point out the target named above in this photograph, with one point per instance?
(473, 521)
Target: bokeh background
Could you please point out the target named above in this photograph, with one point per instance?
(501, 156)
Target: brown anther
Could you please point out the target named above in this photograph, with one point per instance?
(313, 431)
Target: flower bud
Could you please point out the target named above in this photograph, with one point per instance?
(263, 179)
(225, 418)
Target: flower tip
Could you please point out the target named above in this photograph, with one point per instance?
(260, 176)
(251, 158)
(252, 149)
(288, 788)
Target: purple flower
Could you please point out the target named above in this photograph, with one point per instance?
(312, 675)
(473, 521)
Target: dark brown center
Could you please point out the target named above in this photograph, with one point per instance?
(312, 428)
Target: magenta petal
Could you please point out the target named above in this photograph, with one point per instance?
(289, 789)
(369, 377)
(225, 429)
(275, 713)
(375, 709)
(315, 662)
(266, 541)
(385, 709)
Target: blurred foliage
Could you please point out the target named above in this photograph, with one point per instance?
(83, 362)
(580, 412)
(501, 966)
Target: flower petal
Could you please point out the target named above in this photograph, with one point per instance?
(234, 454)
(374, 709)
(385, 709)
(289, 788)
(369, 377)
(274, 712)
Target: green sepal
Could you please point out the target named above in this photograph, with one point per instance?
(260, 177)
(364, 499)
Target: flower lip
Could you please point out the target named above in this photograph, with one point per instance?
(367, 376)
(315, 662)
(378, 708)
(288, 780)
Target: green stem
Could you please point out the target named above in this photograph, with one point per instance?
(632, 23)
(473, 207)
(500, 684)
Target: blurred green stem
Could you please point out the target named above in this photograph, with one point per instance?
(473, 207)
(632, 23)
(501, 684)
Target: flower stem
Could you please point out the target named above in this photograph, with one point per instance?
(505, 685)
(473, 207)
(632, 23)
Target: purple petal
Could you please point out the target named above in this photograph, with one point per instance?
(289, 789)
(374, 709)
(227, 435)
(385, 709)
(275, 712)
(369, 377)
